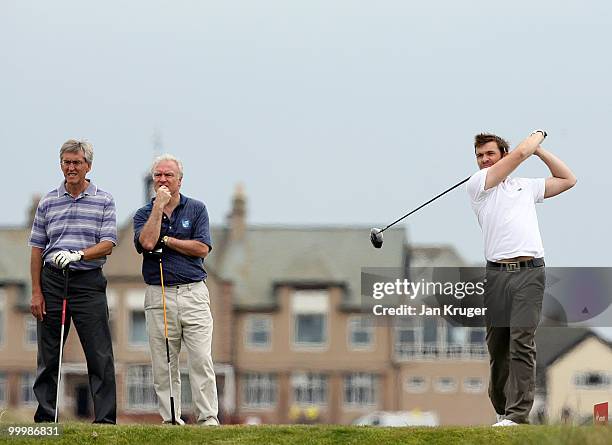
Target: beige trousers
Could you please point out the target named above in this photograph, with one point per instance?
(189, 321)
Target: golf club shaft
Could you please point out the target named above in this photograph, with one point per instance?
(61, 351)
(163, 289)
(428, 202)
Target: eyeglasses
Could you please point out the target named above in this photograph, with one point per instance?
(66, 163)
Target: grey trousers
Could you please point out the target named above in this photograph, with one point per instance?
(190, 322)
(514, 307)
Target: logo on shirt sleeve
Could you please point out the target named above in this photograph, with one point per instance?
(186, 223)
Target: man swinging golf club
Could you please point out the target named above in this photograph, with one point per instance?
(515, 276)
(177, 304)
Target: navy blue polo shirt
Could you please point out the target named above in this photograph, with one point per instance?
(189, 221)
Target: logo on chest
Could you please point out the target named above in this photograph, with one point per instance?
(186, 223)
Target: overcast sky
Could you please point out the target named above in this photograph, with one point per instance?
(329, 112)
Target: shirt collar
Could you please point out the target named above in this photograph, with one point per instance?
(91, 189)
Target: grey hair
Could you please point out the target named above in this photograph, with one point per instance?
(168, 157)
(77, 145)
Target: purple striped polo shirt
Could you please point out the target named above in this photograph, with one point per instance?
(66, 223)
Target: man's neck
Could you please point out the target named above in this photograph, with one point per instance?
(76, 189)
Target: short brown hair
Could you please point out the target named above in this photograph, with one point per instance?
(483, 138)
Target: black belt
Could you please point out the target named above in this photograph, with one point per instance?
(73, 272)
(515, 266)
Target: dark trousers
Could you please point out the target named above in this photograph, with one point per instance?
(88, 309)
(514, 306)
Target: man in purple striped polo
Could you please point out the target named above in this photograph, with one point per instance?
(74, 226)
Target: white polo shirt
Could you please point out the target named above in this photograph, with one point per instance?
(507, 215)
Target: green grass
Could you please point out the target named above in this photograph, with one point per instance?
(76, 433)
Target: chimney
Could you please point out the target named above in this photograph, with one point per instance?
(149, 191)
(237, 216)
(32, 210)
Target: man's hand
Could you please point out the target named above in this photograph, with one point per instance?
(163, 196)
(64, 257)
(37, 307)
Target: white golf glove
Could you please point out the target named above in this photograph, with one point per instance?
(65, 257)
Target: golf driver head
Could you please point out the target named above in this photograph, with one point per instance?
(376, 237)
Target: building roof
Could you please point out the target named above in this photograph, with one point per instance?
(270, 255)
(15, 258)
(554, 342)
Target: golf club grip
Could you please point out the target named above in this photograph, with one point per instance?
(428, 202)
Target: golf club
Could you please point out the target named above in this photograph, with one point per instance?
(59, 369)
(163, 289)
(376, 235)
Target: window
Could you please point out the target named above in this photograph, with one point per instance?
(27, 388)
(456, 337)
(111, 301)
(259, 390)
(592, 380)
(476, 340)
(30, 339)
(473, 385)
(361, 332)
(310, 310)
(140, 391)
(309, 388)
(3, 390)
(430, 337)
(2, 310)
(138, 328)
(416, 384)
(186, 399)
(360, 389)
(258, 331)
(445, 384)
(407, 338)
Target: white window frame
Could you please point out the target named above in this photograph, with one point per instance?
(355, 323)
(312, 382)
(3, 390)
(250, 327)
(28, 323)
(258, 383)
(310, 302)
(410, 387)
(359, 383)
(134, 300)
(26, 385)
(111, 300)
(3, 306)
(142, 377)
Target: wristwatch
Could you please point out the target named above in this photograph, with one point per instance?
(80, 252)
(165, 240)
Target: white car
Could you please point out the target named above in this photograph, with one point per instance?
(398, 418)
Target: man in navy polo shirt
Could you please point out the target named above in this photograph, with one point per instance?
(74, 226)
(179, 225)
